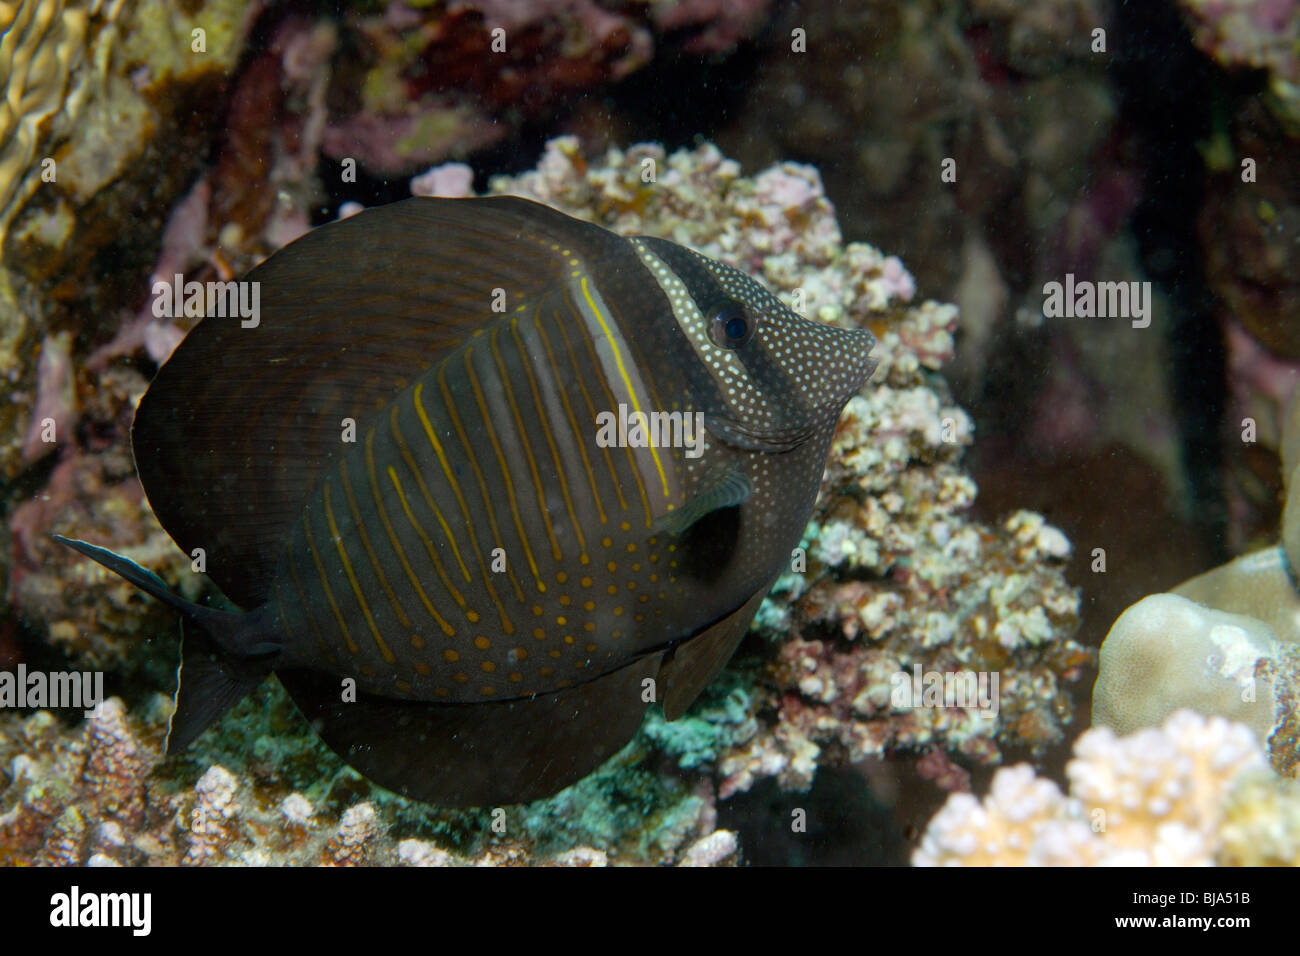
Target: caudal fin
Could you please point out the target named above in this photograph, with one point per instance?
(224, 654)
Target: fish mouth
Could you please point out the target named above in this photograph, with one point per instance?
(866, 343)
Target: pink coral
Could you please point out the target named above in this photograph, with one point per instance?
(452, 180)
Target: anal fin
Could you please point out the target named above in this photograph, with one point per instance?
(695, 663)
(208, 684)
(483, 754)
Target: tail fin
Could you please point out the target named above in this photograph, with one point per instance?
(223, 653)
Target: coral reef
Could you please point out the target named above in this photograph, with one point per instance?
(1254, 34)
(1192, 792)
(1225, 642)
(101, 94)
(894, 579)
(96, 794)
(420, 83)
(107, 116)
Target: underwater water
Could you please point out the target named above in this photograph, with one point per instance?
(686, 433)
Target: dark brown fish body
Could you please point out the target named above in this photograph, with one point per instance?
(406, 473)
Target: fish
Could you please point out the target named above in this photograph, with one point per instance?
(482, 482)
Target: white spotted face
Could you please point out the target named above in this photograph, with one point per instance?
(776, 377)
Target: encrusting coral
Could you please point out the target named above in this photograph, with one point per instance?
(1226, 642)
(894, 582)
(1193, 792)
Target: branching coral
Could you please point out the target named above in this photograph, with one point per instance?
(1192, 792)
(90, 795)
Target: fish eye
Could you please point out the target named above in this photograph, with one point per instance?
(731, 326)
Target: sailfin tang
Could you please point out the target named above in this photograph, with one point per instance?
(478, 755)
(694, 664)
(237, 425)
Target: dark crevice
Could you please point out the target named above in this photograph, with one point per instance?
(1163, 85)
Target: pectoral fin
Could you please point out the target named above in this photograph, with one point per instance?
(723, 488)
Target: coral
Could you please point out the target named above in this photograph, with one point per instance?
(91, 615)
(352, 842)
(722, 719)
(1167, 653)
(1258, 34)
(450, 179)
(894, 577)
(100, 85)
(1192, 792)
(955, 599)
(90, 795)
(416, 84)
(1261, 823)
(1225, 642)
(717, 849)
(98, 775)
(107, 116)
(212, 823)
(41, 44)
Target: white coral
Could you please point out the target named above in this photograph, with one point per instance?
(1153, 799)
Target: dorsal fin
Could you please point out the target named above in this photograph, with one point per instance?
(236, 426)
